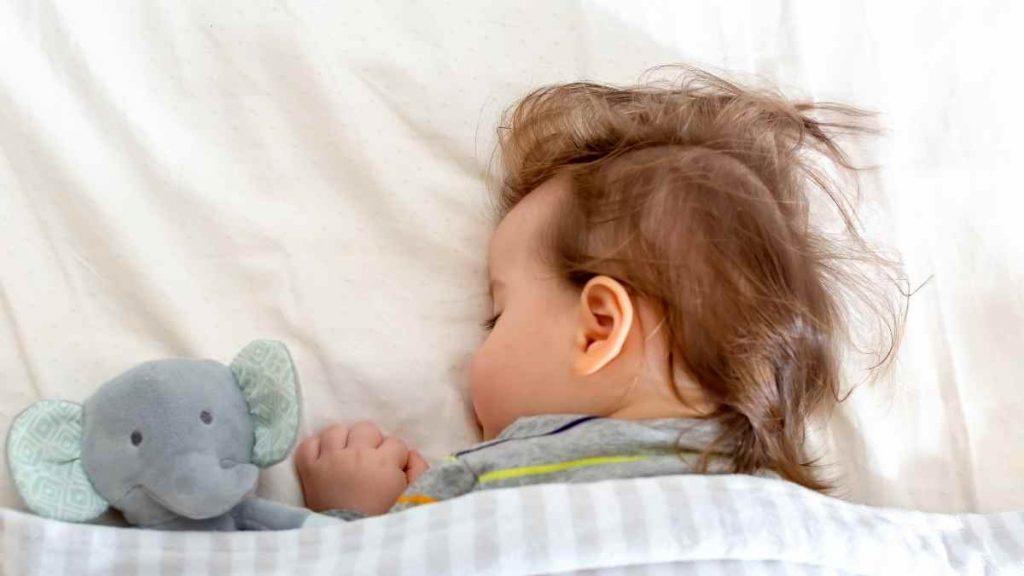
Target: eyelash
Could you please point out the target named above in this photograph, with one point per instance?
(489, 324)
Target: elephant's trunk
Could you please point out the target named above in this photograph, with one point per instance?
(200, 485)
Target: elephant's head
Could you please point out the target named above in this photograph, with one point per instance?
(166, 439)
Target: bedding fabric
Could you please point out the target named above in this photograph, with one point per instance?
(178, 179)
(654, 525)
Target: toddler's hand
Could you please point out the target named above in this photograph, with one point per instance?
(355, 468)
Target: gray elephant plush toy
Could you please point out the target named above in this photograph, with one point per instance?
(173, 444)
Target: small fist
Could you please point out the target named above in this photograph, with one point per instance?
(356, 468)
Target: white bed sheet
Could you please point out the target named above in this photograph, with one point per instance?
(677, 524)
(177, 180)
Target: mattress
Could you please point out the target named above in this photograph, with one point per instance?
(177, 180)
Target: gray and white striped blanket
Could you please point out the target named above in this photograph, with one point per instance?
(654, 525)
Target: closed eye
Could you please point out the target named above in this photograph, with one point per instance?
(489, 324)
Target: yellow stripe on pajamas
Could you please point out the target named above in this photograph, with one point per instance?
(415, 499)
(554, 467)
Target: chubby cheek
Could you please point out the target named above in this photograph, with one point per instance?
(516, 372)
(486, 379)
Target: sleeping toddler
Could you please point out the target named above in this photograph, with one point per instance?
(661, 304)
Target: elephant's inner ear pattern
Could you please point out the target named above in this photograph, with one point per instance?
(266, 374)
(44, 449)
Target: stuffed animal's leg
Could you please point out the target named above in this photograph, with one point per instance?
(260, 514)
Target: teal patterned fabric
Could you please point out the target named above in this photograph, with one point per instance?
(266, 374)
(43, 449)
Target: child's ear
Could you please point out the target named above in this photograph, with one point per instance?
(606, 317)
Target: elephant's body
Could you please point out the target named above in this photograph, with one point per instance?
(249, 514)
(173, 444)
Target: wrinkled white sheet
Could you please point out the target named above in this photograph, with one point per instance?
(178, 179)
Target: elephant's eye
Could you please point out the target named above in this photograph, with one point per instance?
(206, 417)
(136, 438)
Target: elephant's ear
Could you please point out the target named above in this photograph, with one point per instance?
(44, 446)
(266, 374)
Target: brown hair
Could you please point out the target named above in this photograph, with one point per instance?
(696, 193)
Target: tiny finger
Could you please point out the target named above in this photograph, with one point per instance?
(307, 452)
(364, 434)
(417, 465)
(396, 451)
(334, 438)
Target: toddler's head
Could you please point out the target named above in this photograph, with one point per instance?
(654, 258)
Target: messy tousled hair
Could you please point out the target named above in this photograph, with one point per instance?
(696, 192)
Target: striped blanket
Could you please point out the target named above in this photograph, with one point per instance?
(653, 525)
